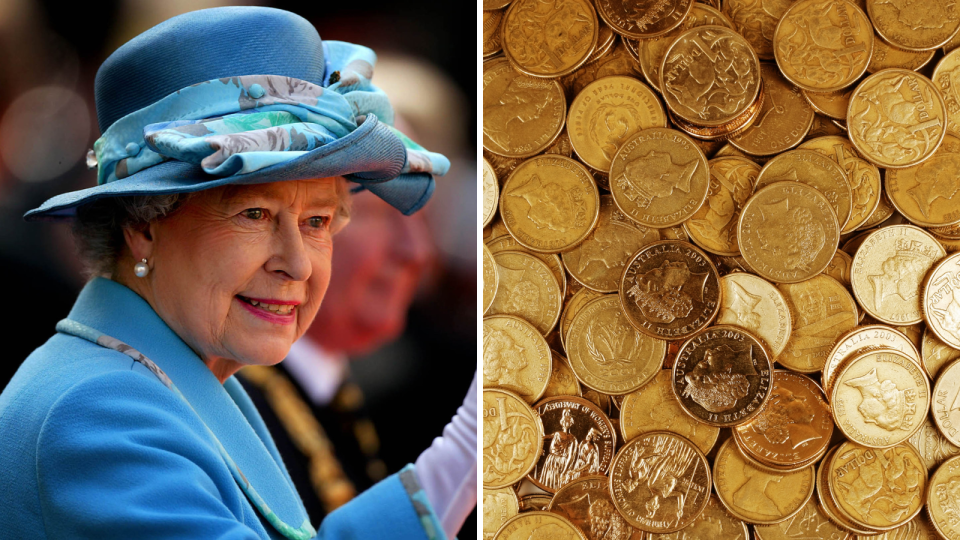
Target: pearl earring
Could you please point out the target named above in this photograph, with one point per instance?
(141, 269)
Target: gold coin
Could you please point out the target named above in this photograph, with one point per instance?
(521, 115)
(607, 353)
(491, 191)
(643, 19)
(553, 262)
(949, 232)
(809, 522)
(880, 398)
(598, 261)
(793, 428)
(877, 488)
(927, 194)
(714, 523)
(573, 306)
(512, 435)
(539, 524)
(788, 232)
(654, 407)
(660, 482)
(729, 150)
(785, 117)
(607, 113)
(491, 32)
(605, 39)
(677, 232)
(830, 104)
(946, 413)
(550, 203)
(823, 127)
(862, 339)
(534, 502)
(822, 310)
(815, 170)
(932, 446)
(883, 212)
(491, 278)
(659, 177)
(943, 499)
(753, 303)
(918, 528)
(863, 177)
(723, 376)
(829, 506)
(757, 22)
(578, 441)
(502, 167)
(723, 132)
(839, 268)
(562, 381)
(823, 45)
(941, 300)
(886, 56)
(946, 76)
(896, 118)
(499, 505)
(515, 357)
(714, 226)
(489, 5)
(670, 290)
(903, 25)
(935, 354)
(528, 290)
(756, 495)
(586, 502)
(617, 61)
(551, 39)
(888, 271)
(732, 85)
(600, 400)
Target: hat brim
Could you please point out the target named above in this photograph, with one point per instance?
(371, 155)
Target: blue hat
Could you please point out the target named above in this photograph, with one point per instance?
(245, 95)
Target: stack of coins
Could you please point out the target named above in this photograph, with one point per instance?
(721, 271)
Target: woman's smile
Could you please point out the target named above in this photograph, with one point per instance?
(275, 311)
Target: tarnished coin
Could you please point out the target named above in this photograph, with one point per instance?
(932, 446)
(643, 19)
(537, 525)
(830, 104)
(794, 427)
(722, 376)
(491, 193)
(888, 272)
(935, 354)
(941, 300)
(586, 502)
(491, 33)
(907, 26)
(946, 77)
(815, 170)
(822, 310)
(659, 177)
(654, 407)
(714, 226)
(573, 306)
(863, 339)
(823, 45)
(896, 118)
(550, 203)
(544, 39)
(506, 242)
(607, 113)
(515, 357)
(562, 381)
(528, 290)
(943, 499)
(499, 505)
(709, 76)
(607, 353)
(880, 398)
(788, 232)
(670, 290)
(785, 117)
(714, 523)
(521, 115)
(660, 482)
(578, 441)
(491, 278)
(946, 403)
(862, 176)
(512, 435)
(929, 194)
(877, 488)
(757, 22)
(756, 495)
(598, 261)
(886, 56)
(840, 267)
(753, 303)
(809, 522)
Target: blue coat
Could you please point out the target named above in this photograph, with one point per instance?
(93, 445)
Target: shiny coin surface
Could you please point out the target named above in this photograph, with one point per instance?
(903, 25)
(512, 435)
(608, 112)
(932, 446)
(586, 502)
(534, 502)
(753, 303)
(839, 268)
(888, 272)
(607, 353)
(946, 403)
(491, 193)
(580, 299)
(830, 104)
(823, 45)
(714, 226)
(714, 523)
(784, 120)
(670, 290)
(822, 310)
(863, 177)
(935, 354)
(499, 505)
(788, 232)
(491, 33)
(886, 56)
(757, 22)
(549, 39)
(515, 357)
(550, 203)
(941, 300)
(723, 376)
(929, 194)
(880, 398)
(562, 381)
(863, 339)
(896, 118)
(537, 525)
(508, 243)
(660, 482)
(918, 528)
(724, 132)
(645, 18)
(528, 290)
(490, 279)
(946, 77)
(809, 522)
(943, 499)
(827, 504)
(815, 170)
(659, 177)
(522, 115)
(616, 62)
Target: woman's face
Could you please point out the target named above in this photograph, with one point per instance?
(239, 272)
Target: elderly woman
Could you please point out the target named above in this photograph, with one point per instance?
(229, 136)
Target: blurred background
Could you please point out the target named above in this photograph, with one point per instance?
(49, 55)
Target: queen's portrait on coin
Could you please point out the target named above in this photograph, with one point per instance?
(882, 403)
(716, 383)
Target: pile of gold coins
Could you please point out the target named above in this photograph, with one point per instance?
(721, 271)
